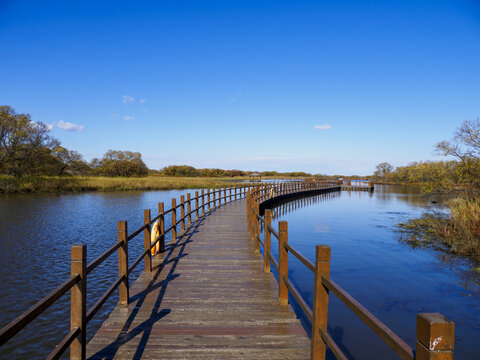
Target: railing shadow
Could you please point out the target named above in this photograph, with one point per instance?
(125, 335)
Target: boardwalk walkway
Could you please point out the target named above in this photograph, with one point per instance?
(207, 298)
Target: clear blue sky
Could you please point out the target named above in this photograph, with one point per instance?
(243, 84)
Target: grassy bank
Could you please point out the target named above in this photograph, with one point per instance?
(9, 184)
(458, 233)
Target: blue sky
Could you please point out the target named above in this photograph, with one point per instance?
(243, 84)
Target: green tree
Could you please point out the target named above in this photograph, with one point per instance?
(67, 159)
(24, 144)
(465, 147)
(120, 163)
(383, 170)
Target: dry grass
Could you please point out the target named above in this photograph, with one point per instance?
(458, 233)
(10, 184)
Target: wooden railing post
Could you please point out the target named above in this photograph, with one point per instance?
(235, 192)
(435, 337)
(174, 219)
(208, 199)
(147, 233)
(230, 193)
(123, 262)
(197, 214)
(161, 221)
(320, 301)
(256, 222)
(214, 200)
(267, 241)
(78, 304)
(189, 209)
(182, 213)
(282, 262)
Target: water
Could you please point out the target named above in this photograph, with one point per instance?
(36, 234)
(392, 280)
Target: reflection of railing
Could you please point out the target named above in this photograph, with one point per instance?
(435, 333)
(76, 338)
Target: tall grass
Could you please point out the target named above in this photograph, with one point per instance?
(9, 184)
(458, 233)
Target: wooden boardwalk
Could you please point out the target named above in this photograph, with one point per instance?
(206, 298)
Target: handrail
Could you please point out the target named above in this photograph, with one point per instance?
(323, 283)
(299, 256)
(93, 264)
(64, 344)
(11, 329)
(93, 310)
(387, 335)
(28, 316)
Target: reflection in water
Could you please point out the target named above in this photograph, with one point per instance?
(392, 280)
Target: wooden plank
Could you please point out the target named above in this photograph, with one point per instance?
(207, 297)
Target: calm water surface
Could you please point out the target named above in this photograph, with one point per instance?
(36, 234)
(392, 280)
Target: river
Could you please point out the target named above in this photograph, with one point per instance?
(389, 278)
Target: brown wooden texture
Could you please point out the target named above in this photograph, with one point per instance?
(435, 337)
(123, 261)
(320, 301)
(182, 212)
(174, 219)
(162, 226)
(78, 307)
(282, 262)
(147, 239)
(207, 298)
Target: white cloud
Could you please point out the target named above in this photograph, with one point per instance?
(68, 126)
(323, 127)
(143, 101)
(128, 118)
(49, 127)
(128, 100)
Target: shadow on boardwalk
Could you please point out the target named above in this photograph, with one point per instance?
(212, 302)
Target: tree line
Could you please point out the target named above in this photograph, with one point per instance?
(28, 149)
(462, 170)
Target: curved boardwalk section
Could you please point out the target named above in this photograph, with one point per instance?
(206, 298)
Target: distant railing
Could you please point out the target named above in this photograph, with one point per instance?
(80, 316)
(435, 333)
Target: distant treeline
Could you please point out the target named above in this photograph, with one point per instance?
(461, 172)
(190, 171)
(28, 150)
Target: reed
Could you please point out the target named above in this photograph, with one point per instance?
(458, 233)
(10, 184)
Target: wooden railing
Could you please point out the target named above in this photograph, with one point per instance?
(435, 333)
(79, 315)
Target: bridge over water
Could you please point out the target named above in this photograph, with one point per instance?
(210, 294)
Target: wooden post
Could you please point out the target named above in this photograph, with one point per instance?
(267, 241)
(78, 302)
(235, 192)
(320, 301)
(174, 219)
(189, 209)
(161, 221)
(147, 233)
(197, 214)
(208, 199)
(256, 222)
(182, 213)
(435, 337)
(282, 262)
(214, 200)
(203, 202)
(230, 193)
(123, 262)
